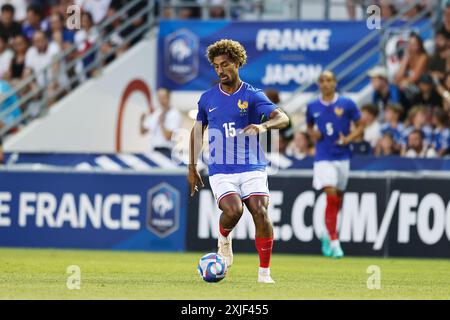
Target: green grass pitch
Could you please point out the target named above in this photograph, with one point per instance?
(41, 274)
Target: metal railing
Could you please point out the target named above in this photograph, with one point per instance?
(259, 9)
(40, 96)
(362, 57)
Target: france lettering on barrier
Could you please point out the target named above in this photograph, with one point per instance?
(379, 217)
(93, 210)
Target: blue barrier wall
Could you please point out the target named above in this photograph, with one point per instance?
(93, 210)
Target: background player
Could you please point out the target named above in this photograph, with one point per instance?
(233, 110)
(329, 120)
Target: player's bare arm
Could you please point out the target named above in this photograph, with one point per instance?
(313, 133)
(195, 148)
(356, 132)
(277, 120)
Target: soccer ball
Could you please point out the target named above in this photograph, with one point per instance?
(212, 267)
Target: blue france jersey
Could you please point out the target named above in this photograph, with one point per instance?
(226, 115)
(332, 119)
(441, 139)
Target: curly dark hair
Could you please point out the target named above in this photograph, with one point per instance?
(233, 49)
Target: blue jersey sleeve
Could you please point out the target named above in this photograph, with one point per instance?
(263, 105)
(309, 116)
(201, 114)
(355, 114)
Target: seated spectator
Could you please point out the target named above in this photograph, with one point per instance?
(384, 93)
(388, 9)
(359, 146)
(217, 10)
(59, 33)
(116, 45)
(16, 70)
(85, 38)
(445, 25)
(441, 132)
(417, 120)
(427, 96)
(6, 56)
(416, 148)
(392, 123)
(7, 101)
(301, 146)
(35, 21)
(38, 58)
(439, 62)
(97, 8)
(20, 8)
(412, 66)
(386, 146)
(8, 26)
(372, 128)
(444, 90)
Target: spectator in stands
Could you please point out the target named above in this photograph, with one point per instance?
(38, 58)
(441, 132)
(97, 8)
(392, 123)
(386, 146)
(59, 33)
(16, 70)
(19, 6)
(439, 62)
(360, 147)
(35, 21)
(116, 44)
(161, 124)
(416, 148)
(384, 93)
(445, 26)
(286, 134)
(217, 10)
(444, 90)
(388, 9)
(6, 55)
(9, 112)
(412, 66)
(190, 12)
(85, 38)
(8, 26)
(301, 146)
(427, 96)
(417, 120)
(372, 127)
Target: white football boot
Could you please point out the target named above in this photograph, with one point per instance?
(264, 276)
(225, 248)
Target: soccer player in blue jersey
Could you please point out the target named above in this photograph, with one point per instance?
(329, 120)
(233, 111)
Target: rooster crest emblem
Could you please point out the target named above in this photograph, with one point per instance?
(242, 105)
(339, 111)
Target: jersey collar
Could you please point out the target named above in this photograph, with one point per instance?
(227, 94)
(336, 97)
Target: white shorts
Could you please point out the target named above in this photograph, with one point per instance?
(331, 174)
(245, 184)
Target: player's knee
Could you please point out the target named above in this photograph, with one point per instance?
(233, 210)
(260, 214)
